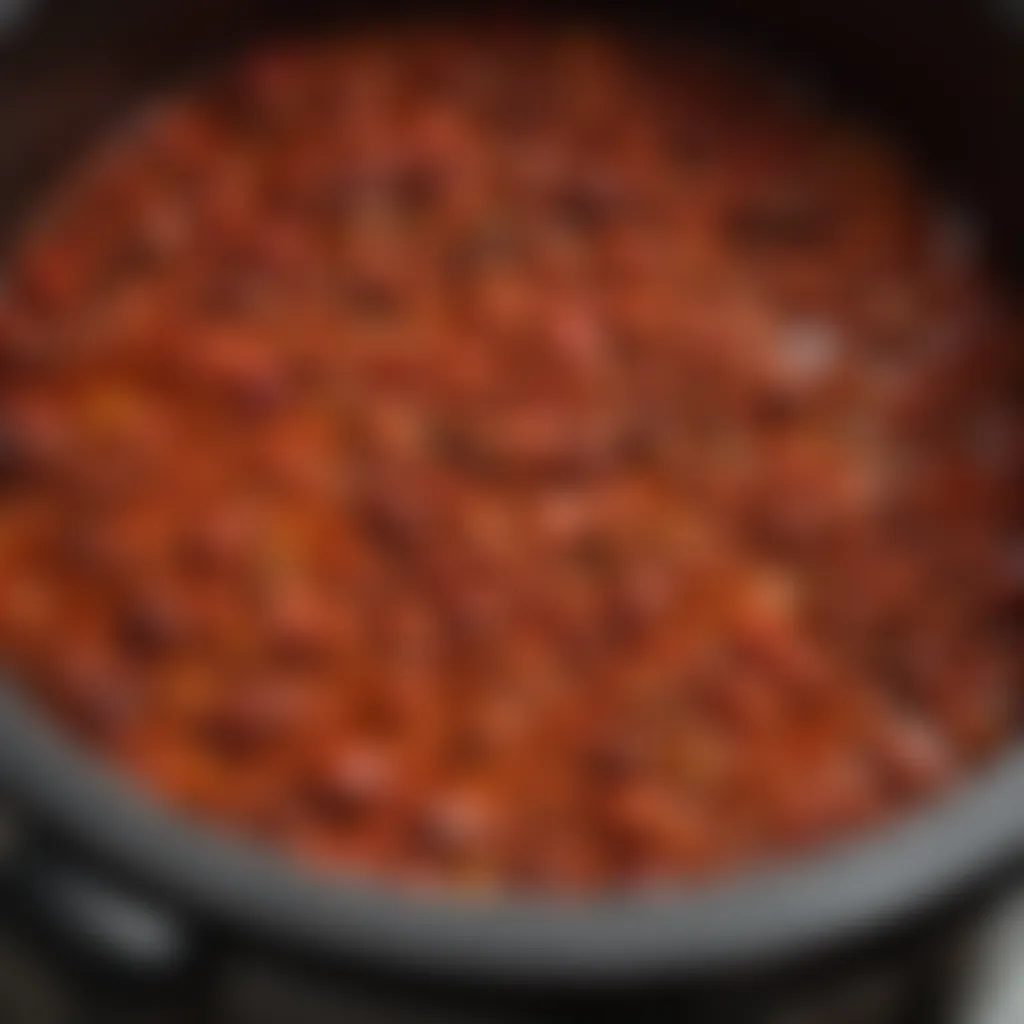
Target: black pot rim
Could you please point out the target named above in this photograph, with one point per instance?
(764, 915)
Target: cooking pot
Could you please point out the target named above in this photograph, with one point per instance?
(140, 887)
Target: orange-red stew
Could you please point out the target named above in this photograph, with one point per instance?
(512, 460)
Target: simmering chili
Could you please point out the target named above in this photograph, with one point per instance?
(512, 461)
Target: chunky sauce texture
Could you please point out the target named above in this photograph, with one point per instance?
(512, 461)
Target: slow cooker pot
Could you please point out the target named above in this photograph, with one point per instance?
(146, 892)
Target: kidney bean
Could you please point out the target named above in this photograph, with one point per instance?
(353, 779)
(298, 625)
(32, 440)
(913, 756)
(253, 715)
(153, 623)
(95, 694)
(239, 370)
(454, 825)
(217, 539)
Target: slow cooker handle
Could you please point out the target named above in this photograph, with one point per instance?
(98, 922)
(995, 989)
(94, 920)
